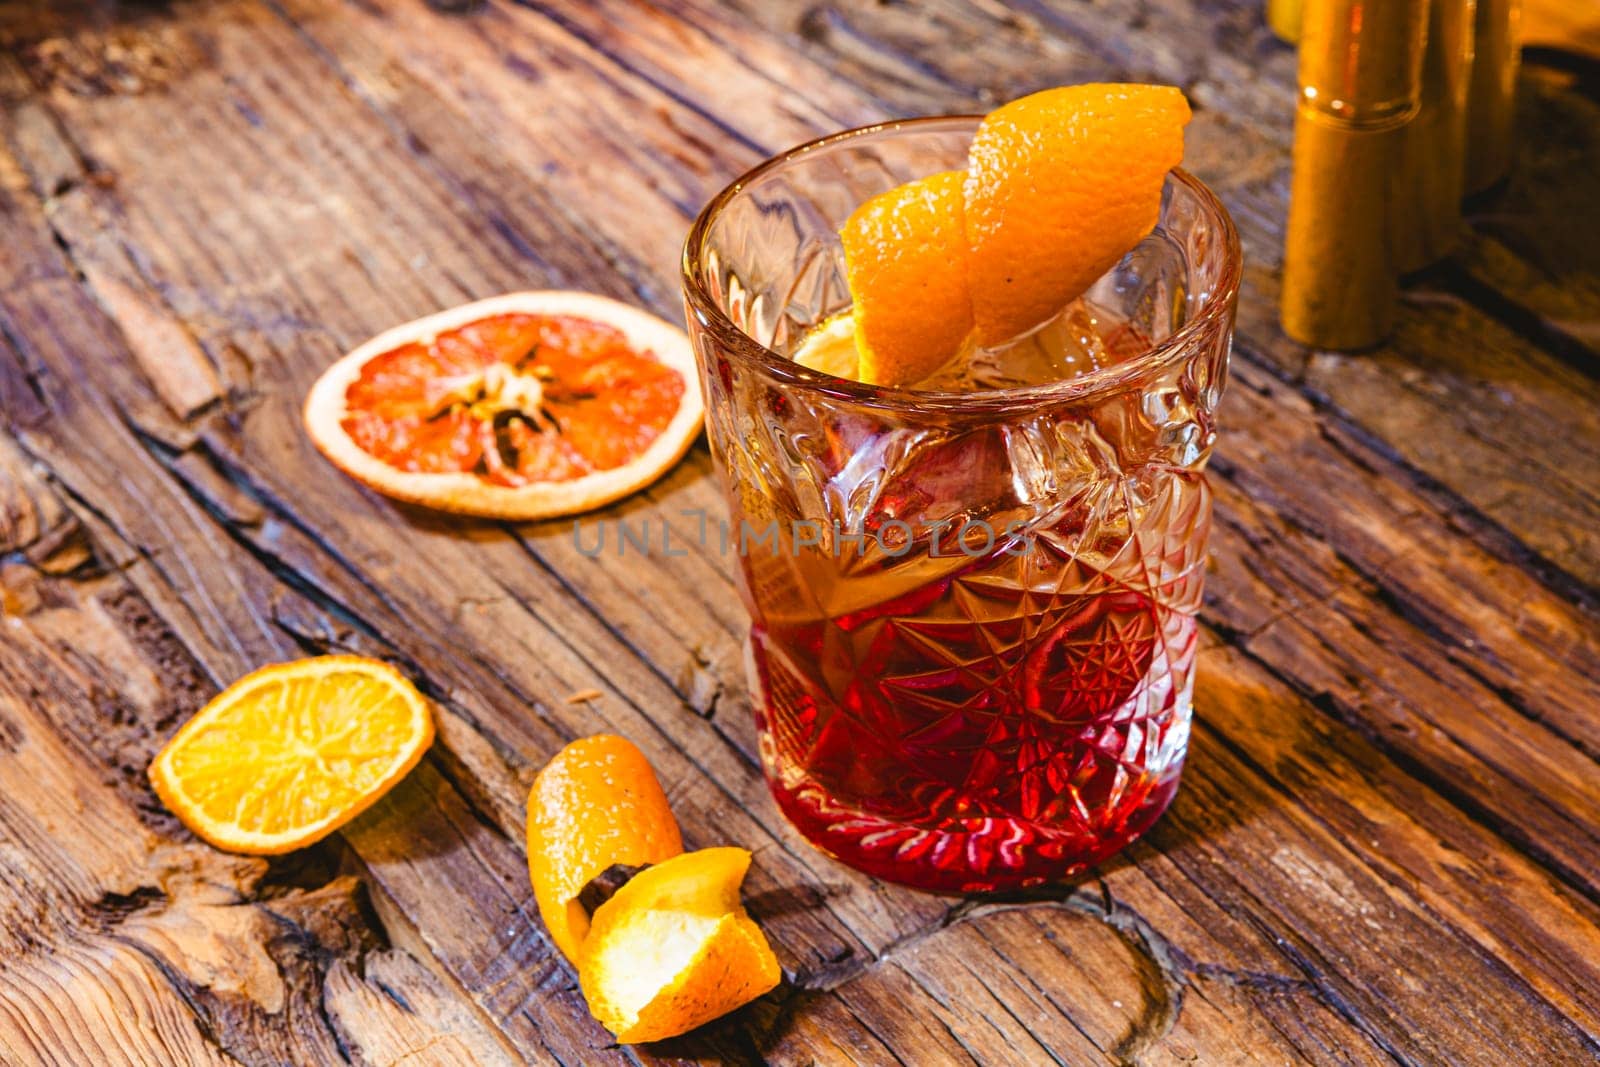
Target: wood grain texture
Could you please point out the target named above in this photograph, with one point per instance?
(126, 941)
(1386, 846)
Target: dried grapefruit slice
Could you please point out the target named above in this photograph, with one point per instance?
(596, 804)
(674, 948)
(1059, 186)
(524, 406)
(290, 753)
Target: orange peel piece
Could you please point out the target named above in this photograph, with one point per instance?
(905, 260)
(596, 803)
(1059, 186)
(674, 948)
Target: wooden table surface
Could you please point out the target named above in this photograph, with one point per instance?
(1387, 844)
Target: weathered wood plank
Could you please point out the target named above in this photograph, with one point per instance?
(1538, 246)
(1375, 603)
(494, 946)
(1411, 838)
(124, 940)
(29, 512)
(517, 624)
(42, 304)
(1390, 542)
(431, 1026)
(1073, 983)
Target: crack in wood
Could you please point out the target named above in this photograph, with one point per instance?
(896, 946)
(33, 374)
(302, 629)
(1343, 432)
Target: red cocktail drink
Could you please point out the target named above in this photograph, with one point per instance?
(973, 605)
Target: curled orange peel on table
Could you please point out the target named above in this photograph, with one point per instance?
(1059, 186)
(674, 948)
(595, 805)
(671, 949)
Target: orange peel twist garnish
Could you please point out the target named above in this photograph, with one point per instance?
(1059, 186)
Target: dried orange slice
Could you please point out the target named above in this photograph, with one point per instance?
(674, 948)
(288, 754)
(905, 260)
(596, 804)
(1059, 186)
(523, 406)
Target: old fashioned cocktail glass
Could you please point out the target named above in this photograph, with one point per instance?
(973, 630)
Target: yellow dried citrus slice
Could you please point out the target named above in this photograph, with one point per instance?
(290, 753)
(830, 347)
(596, 804)
(674, 948)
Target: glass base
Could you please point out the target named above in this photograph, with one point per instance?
(925, 839)
(990, 855)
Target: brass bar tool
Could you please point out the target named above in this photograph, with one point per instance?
(1283, 16)
(1433, 164)
(1360, 85)
(1492, 98)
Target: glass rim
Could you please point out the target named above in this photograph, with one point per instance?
(1100, 382)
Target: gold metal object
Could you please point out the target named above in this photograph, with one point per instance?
(1360, 85)
(1283, 16)
(1433, 165)
(1492, 97)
